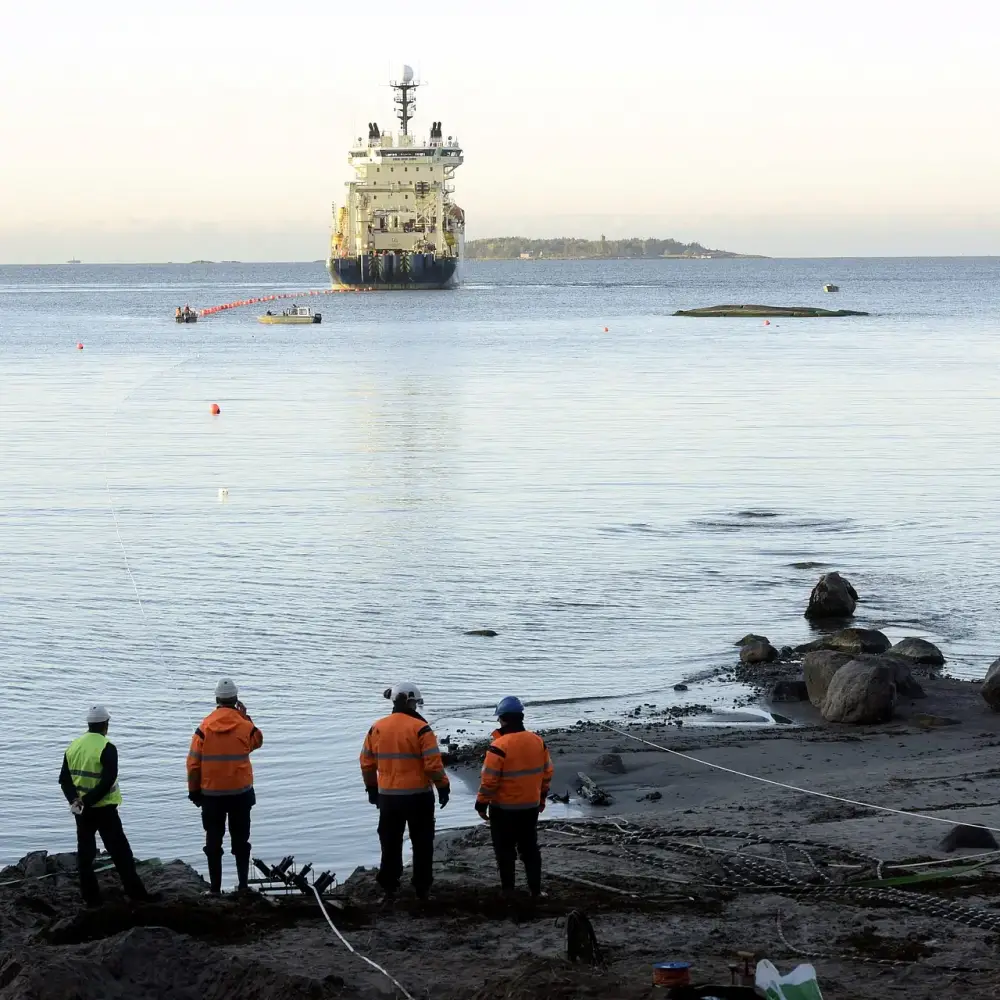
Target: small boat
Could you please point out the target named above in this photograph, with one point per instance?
(831, 288)
(297, 314)
(186, 315)
(73, 261)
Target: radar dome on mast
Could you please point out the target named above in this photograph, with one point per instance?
(407, 74)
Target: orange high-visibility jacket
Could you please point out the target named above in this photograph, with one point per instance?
(516, 773)
(218, 762)
(401, 756)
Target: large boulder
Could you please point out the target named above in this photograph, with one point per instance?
(757, 651)
(858, 640)
(918, 651)
(788, 690)
(907, 685)
(832, 597)
(991, 686)
(861, 692)
(818, 669)
(750, 637)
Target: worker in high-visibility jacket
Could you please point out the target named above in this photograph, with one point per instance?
(89, 780)
(401, 766)
(220, 781)
(514, 785)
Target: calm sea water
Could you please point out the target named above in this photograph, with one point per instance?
(620, 505)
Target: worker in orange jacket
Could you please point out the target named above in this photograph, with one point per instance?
(220, 781)
(514, 785)
(401, 766)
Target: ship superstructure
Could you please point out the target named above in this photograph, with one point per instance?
(399, 228)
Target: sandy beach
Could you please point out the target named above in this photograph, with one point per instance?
(715, 865)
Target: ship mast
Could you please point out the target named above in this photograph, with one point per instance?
(406, 97)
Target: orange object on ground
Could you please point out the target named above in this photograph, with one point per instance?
(672, 974)
(215, 409)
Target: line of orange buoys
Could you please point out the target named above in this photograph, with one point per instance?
(258, 300)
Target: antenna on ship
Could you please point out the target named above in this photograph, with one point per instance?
(406, 97)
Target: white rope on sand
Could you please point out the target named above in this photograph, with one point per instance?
(347, 944)
(797, 788)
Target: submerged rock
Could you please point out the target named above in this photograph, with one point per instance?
(487, 633)
(918, 651)
(818, 669)
(788, 690)
(861, 692)
(832, 597)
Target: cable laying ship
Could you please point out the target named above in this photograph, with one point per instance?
(400, 228)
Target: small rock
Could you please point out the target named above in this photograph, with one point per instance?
(757, 651)
(918, 651)
(795, 690)
(933, 721)
(862, 693)
(488, 633)
(991, 686)
(750, 637)
(680, 687)
(786, 653)
(832, 597)
(610, 762)
(650, 797)
(33, 865)
(967, 836)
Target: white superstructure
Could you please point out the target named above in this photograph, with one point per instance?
(400, 200)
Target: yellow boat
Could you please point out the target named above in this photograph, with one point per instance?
(297, 314)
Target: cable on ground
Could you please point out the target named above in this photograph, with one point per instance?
(797, 788)
(347, 944)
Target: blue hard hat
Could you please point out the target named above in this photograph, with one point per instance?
(509, 706)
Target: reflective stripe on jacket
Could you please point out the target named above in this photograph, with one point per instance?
(516, 773)
(401, 756)
(84, 759)
(218, 762)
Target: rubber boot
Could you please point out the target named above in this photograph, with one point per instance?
(215, 874)
(242, 871)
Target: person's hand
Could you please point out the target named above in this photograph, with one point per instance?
(541, 805)
(444, 793)
(76, 807)
(240, 707)
(373, 796)
(195, 797)
(481, 808)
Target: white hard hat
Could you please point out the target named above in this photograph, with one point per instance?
(97, 714)
(226, 690)
(408, 691)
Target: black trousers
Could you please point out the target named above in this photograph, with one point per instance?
(396, 813)
(220, 811)
(104, 820)
(515, 832)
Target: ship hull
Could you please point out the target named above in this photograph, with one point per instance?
(394, 272)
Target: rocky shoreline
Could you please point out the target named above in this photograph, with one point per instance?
(683, 861)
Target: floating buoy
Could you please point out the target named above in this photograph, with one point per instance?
(223, 493)
(767, 322)
(605, 329)
(79, 346)
(215, 409)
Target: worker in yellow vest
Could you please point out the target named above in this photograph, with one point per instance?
(89, 780)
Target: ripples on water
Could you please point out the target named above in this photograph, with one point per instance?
(620, 506)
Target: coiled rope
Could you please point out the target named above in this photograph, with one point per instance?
(798, 788)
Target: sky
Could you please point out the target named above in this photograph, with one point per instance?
(189, 130)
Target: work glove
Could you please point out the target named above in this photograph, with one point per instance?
(482, 808)
(372, 796)
(444, 793)
(76, 807)
(195, 797)
(541, 805)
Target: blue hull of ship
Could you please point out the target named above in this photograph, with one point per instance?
(394, 272)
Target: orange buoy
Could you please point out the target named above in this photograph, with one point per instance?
(79, 346)
(767, 322)
(605, 329)
(215, 409)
